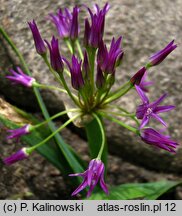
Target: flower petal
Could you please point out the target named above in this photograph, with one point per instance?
(157, 102)
(158, 118)
(142, 95)
(144, 122)
(160, 109)
(80, 187)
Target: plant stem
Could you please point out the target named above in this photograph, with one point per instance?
(51, 69)
(102, 134)
(120, 122)
(79, 49)
(38, 85)
(67, 72)
(31, 149)
(74, 99)
(69, 46)
(55, 116)
(119, 93)
(127, 113)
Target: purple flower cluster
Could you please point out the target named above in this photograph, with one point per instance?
(91, 176)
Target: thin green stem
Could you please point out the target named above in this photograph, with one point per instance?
(14, 48)
(38, 85)
(120, 122)
(67, 72)
(103, 136)
(79, 49)
(119, 114)
(74, 99)
(54, 116)
(69, 46)
(31, 149)
(51, 69)
(125, 111)
(119, 94)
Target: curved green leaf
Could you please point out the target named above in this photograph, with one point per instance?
(149, 191)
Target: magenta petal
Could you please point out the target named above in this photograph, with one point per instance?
(144, 122)
(142, 95)
(157, 102)
(80, 187)
(140, 112)
(90, 190)
(19, 155)
(153, 137)
(158, 118)
(160, 109)
(102, 183)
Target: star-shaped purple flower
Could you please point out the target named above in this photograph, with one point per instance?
(91, 176)
(148, 110)
(153, 137)
(20, 78)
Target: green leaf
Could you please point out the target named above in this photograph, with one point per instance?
(149, 191)
(95, 140)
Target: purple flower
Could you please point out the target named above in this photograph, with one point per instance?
(76, 73)
(91, 176)
(159, 56)
(20, 78)
(99, 78)
(143, 84)
(19, 155)
(55, 57)
(94, 32)
(17, 133)
(107, 59)
(148, 110)
(86, 66)
(153, 137)
(66, 23)
(137, 78)
(39, 43)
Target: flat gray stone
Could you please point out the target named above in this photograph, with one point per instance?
(146, 26)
